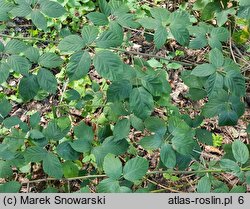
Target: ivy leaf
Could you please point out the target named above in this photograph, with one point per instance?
(160, 36)
(50, 60)
(52, 9)
(112, 166)
(108, 64)
(168, 156)
(141, 102)
(39, 20)
(119, 90)
(71, 43)
(98, 18)
(78, 65)
(203, 70)
(216, 57)
(240, 151)
(52, 166)
(47, 81)
(19, 64)
(135, 169)
(89, 34)
(204, 185)
(28, 87)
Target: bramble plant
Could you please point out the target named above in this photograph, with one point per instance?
(84, 93)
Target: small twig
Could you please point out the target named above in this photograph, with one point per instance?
(230, 45)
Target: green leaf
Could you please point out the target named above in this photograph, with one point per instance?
(50, 60)
(108, 186)
(71, 43)
(35, 119)
(78, 65)
(47, 81)
(1, 46)
(149, 23)
(214, 83)
(21, 10)
(11, 121)
(161, 14)
(228, 117)
(220, 33)
(135, 169)
(156, 125)
(244, 12)
(89, 34)
(5, 169)
(203, 70)
(65, 151)
(136, 123)
(35, 134)
(179, 18)
(152, 142)
(247, 174)
(109, 38)
(81, 145)
(54, 132)
(216, 57)
(52, 166)
(39, 20)
(32, 54)
(34, 154)
(15, 47)
(19, 64)
(5, 108)
(98, 18)
(119, 90)
(204, 185)
(240, 151)
(238, 189)
(244, 3)
(4, 72)
(52, 9)
(83, 131)
(108, 64)
(121, 129)
(214, 43)
(180, 34)
(204, 136)
(229, 165)
(141, 102)
(112, 166)
(179, 140)
(28, 87)
(70, 169)
(10, 187)
(168, 156)
(127, 20)
(160, 36)
(198, 42)
(210, 9)
(104, 7)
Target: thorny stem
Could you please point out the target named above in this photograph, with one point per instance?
(152, 55)
(27, 38)
(148, 173)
